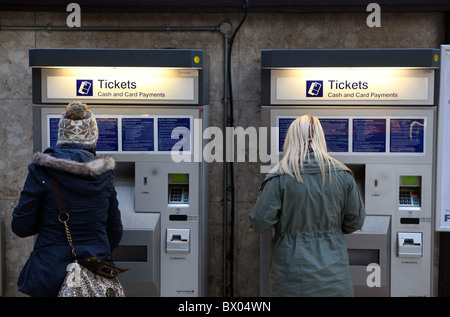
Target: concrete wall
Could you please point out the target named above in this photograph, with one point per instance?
(260, 31)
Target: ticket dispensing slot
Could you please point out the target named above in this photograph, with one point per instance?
(178, 240)
(409, 244)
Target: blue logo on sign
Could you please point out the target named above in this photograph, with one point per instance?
(314, 88)
(84, 87)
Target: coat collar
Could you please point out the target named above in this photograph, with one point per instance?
(92, 168)
(310, 166)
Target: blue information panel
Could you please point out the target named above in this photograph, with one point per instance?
(53, 129)
(335, 130)
(407, 135)
(336, 134)
(138, 134)
(173, 131)
(283, 126)
(108, 134)
(369, 135)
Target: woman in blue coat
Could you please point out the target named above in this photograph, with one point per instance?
(311, 200)
(89, 195)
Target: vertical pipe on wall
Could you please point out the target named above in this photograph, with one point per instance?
(225, 169)
(230, 121)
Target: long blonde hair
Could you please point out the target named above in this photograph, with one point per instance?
(305, 135)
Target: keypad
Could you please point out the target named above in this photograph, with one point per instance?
(178, 195)
(408, 198)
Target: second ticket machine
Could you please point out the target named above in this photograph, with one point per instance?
(378, 111)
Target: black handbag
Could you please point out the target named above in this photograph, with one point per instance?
(91, 277)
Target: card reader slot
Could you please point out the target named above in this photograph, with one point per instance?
(409, 221)
(178, 217)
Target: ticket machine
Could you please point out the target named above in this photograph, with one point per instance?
(378, 110)
(151, 108)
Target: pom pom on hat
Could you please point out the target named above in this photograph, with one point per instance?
(76, 111)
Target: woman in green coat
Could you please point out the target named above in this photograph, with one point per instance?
(311, 200)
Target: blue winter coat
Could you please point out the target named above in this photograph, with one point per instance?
(89, 195)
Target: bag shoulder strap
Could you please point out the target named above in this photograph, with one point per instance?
(58, 197)
(62, 212)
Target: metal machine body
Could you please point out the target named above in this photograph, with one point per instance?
(151, 108)
(378, 110)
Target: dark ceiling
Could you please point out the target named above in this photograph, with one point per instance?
(224, 6)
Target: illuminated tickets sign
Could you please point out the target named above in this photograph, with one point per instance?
(352, 86)
(120, 85)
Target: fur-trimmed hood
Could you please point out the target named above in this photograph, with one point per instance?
(92, 168)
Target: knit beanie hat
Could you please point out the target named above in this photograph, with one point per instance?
(78, 126)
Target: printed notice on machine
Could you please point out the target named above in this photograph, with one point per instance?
(336, 132)
(174, 131)
(369, 135)
(108, 134)
(407, 135)
(138, 134)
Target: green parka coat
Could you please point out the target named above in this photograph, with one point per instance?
(309, 254)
